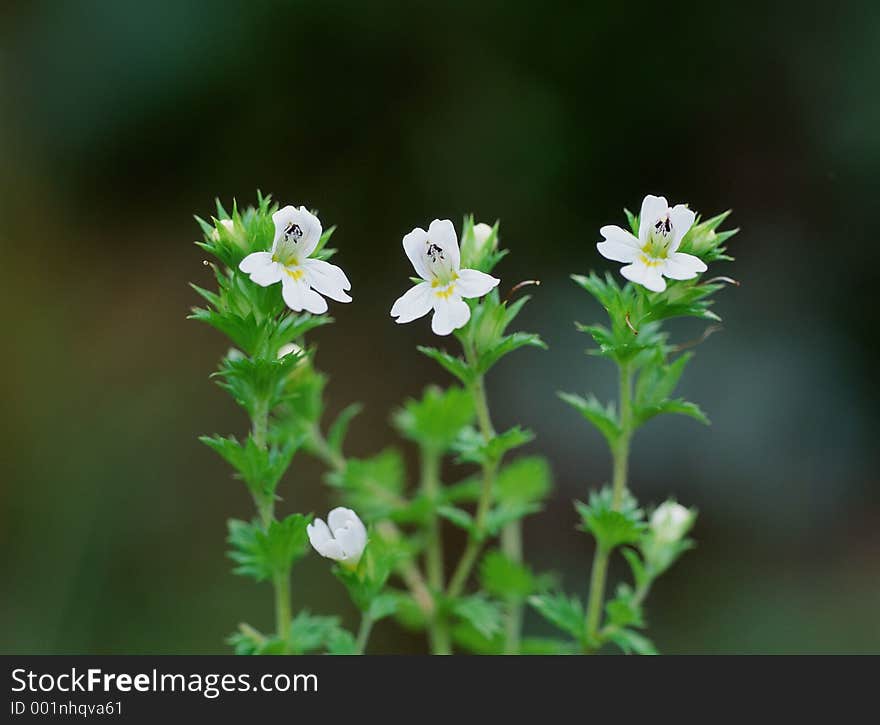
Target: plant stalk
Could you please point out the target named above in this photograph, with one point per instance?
(620, 465)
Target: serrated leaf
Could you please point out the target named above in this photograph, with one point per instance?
(373, 486)
(604, 418)
(505, 578)
(457, 516)
(611, 527)
(565, 612)
(383, 605)
(437, 418)
(525, 481)
(481, 613)
(454, 365)
(262, 553)
(630, 641)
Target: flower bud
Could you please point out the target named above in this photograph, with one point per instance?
(343, 538)
(670, 522)
(479, 241)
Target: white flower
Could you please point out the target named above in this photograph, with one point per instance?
(435, 256)
(671, 521)
(297, 232)
(654, 254)
(343, 540)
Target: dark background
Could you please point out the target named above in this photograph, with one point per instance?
(119, 120)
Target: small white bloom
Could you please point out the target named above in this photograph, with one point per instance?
(297, 232)
(343, 540)
(653, 255)
(482, 232)
(227, 224)
(436, 258)
(671, 521)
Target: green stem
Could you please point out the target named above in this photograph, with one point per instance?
(620, 463)
(511, 545)
(281, 581)
(266, 510)
(490, 468)
(434, 548)
(364, 633)
(438, 630)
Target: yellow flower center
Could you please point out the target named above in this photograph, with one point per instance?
(295, 274)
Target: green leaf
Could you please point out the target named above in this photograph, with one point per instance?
(640, 574)
(451, 364)
(341, 642)
(260, 468)
(261, 554)
(623, 611)
(505, 346)
(437, 419)
(310, 633)
(525, 481)
(502, 515)
(467, 637)
(457, 516)
(373, 486)
(611, 527)
(366, 582)
(548, 646)
(472, 448)
(630, 641)
(565, 612)
(604, 418)
(481, 613)
(383, 605)
(336, 434)
(504, 578)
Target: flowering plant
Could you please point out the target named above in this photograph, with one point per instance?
(388, 539)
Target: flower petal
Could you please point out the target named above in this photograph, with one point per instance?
(472, 283)
(683, 266)
(442, 233)
(305, 241)
(619, 244)
(653, 207)
(322, 540)
(298, 296)
(449, 315)
(682, 220)
(338, 517)
(328, 279)
(318, 532)
(255, 261)
(349, 531)
(414, 244)
(261, 269)
(642, 274)
(416, 302)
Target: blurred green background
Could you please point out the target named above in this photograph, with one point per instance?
(119, 120)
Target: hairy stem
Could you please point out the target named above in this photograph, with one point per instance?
(266, 510)
(490, 468)
(364, 633)
(281, 581)
(620, 463)
(438, 632)
(511, 545)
